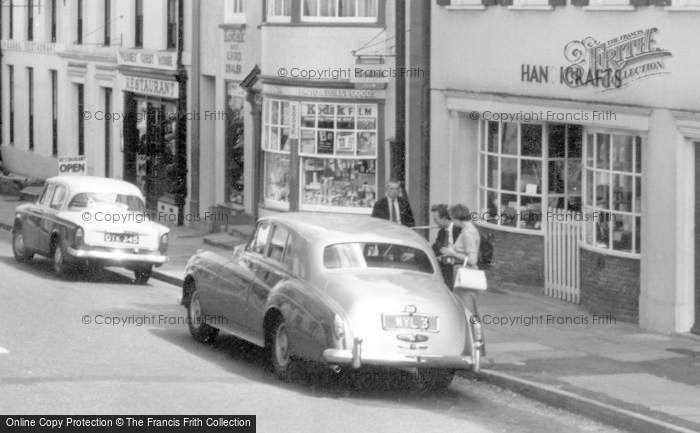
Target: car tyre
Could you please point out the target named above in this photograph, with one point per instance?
(60, 267)
(280, 350)
(18, 248)
(142, 275)
(199, 330)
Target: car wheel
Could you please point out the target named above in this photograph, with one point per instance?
(280, 349)
(60, 267)
(195, 321)
(18, 247)
(142, 275)
(435, 379)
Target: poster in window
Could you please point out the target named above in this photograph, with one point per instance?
(346, 143)
(308, 144)
(325, 142)
(367, 144)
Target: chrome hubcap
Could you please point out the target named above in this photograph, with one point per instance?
(19, 243)
(282, 346)
(58, 259)
(195, 313)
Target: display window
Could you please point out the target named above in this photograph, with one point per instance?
(333, 183)
(613, 191)
(276, 153)
(337, 150)
(526, 168)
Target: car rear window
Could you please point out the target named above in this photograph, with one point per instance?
(125, 202)
(376, 255)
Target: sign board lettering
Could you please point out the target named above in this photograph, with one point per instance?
(72, 165)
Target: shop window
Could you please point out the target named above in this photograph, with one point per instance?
(355, 10)
(338, 149)
(234, 143)
(279, 10)
(612, 199)
(525, 166)
(275, 145)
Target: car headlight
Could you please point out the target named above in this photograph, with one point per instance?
(79, 237)
(163, 244)
(338, 327)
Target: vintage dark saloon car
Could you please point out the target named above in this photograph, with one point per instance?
(344, 290)
(82, 220)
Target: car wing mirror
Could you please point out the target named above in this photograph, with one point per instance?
(238, 251)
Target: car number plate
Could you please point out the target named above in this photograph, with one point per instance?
(410, 321)
(122, 238)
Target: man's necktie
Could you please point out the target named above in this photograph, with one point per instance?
(392, 212)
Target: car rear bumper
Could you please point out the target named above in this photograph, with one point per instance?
(118, 257)
(357, 358)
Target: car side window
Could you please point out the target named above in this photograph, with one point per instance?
(259, 241)
(278, 243)
(47, 194)
(59, 197)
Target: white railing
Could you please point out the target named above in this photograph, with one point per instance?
(561, 254)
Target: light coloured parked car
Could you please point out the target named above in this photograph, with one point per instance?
(79, 221)
(344, 290)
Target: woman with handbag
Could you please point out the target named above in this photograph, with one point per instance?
(466, 247)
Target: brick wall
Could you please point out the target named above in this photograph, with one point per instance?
(610, 285)
(518, 259)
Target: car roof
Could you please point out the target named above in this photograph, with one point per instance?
(78, 184)
(336, 228)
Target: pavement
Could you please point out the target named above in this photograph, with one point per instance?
(541, 347)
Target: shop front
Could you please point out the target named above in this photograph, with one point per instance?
(322, 149)
(152, 157)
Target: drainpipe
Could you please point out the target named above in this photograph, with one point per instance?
(193, 157)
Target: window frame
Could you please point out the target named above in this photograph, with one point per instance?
(338, 19)
(251, 246)
(270, 6)
(235, 11)
(589, 240)
(535, 225)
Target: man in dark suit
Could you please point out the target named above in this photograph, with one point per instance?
(446, 237)
(392, 207)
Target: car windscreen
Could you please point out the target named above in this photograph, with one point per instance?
(376, 255)
(86, 200)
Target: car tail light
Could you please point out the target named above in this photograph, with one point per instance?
(79, 237)
(338, 327)
(163, 248)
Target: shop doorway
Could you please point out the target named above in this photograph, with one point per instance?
(151, 147)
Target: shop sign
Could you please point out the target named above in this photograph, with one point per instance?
(294, 119)
(318, 92)
(606, 65)
(233, 51)
(152, 86)
(29, 46)
(163, 60)
(72, 165)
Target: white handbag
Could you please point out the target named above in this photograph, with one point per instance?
(471, 279)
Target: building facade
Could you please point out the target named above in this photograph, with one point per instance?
(593, 121)
(101, 79)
